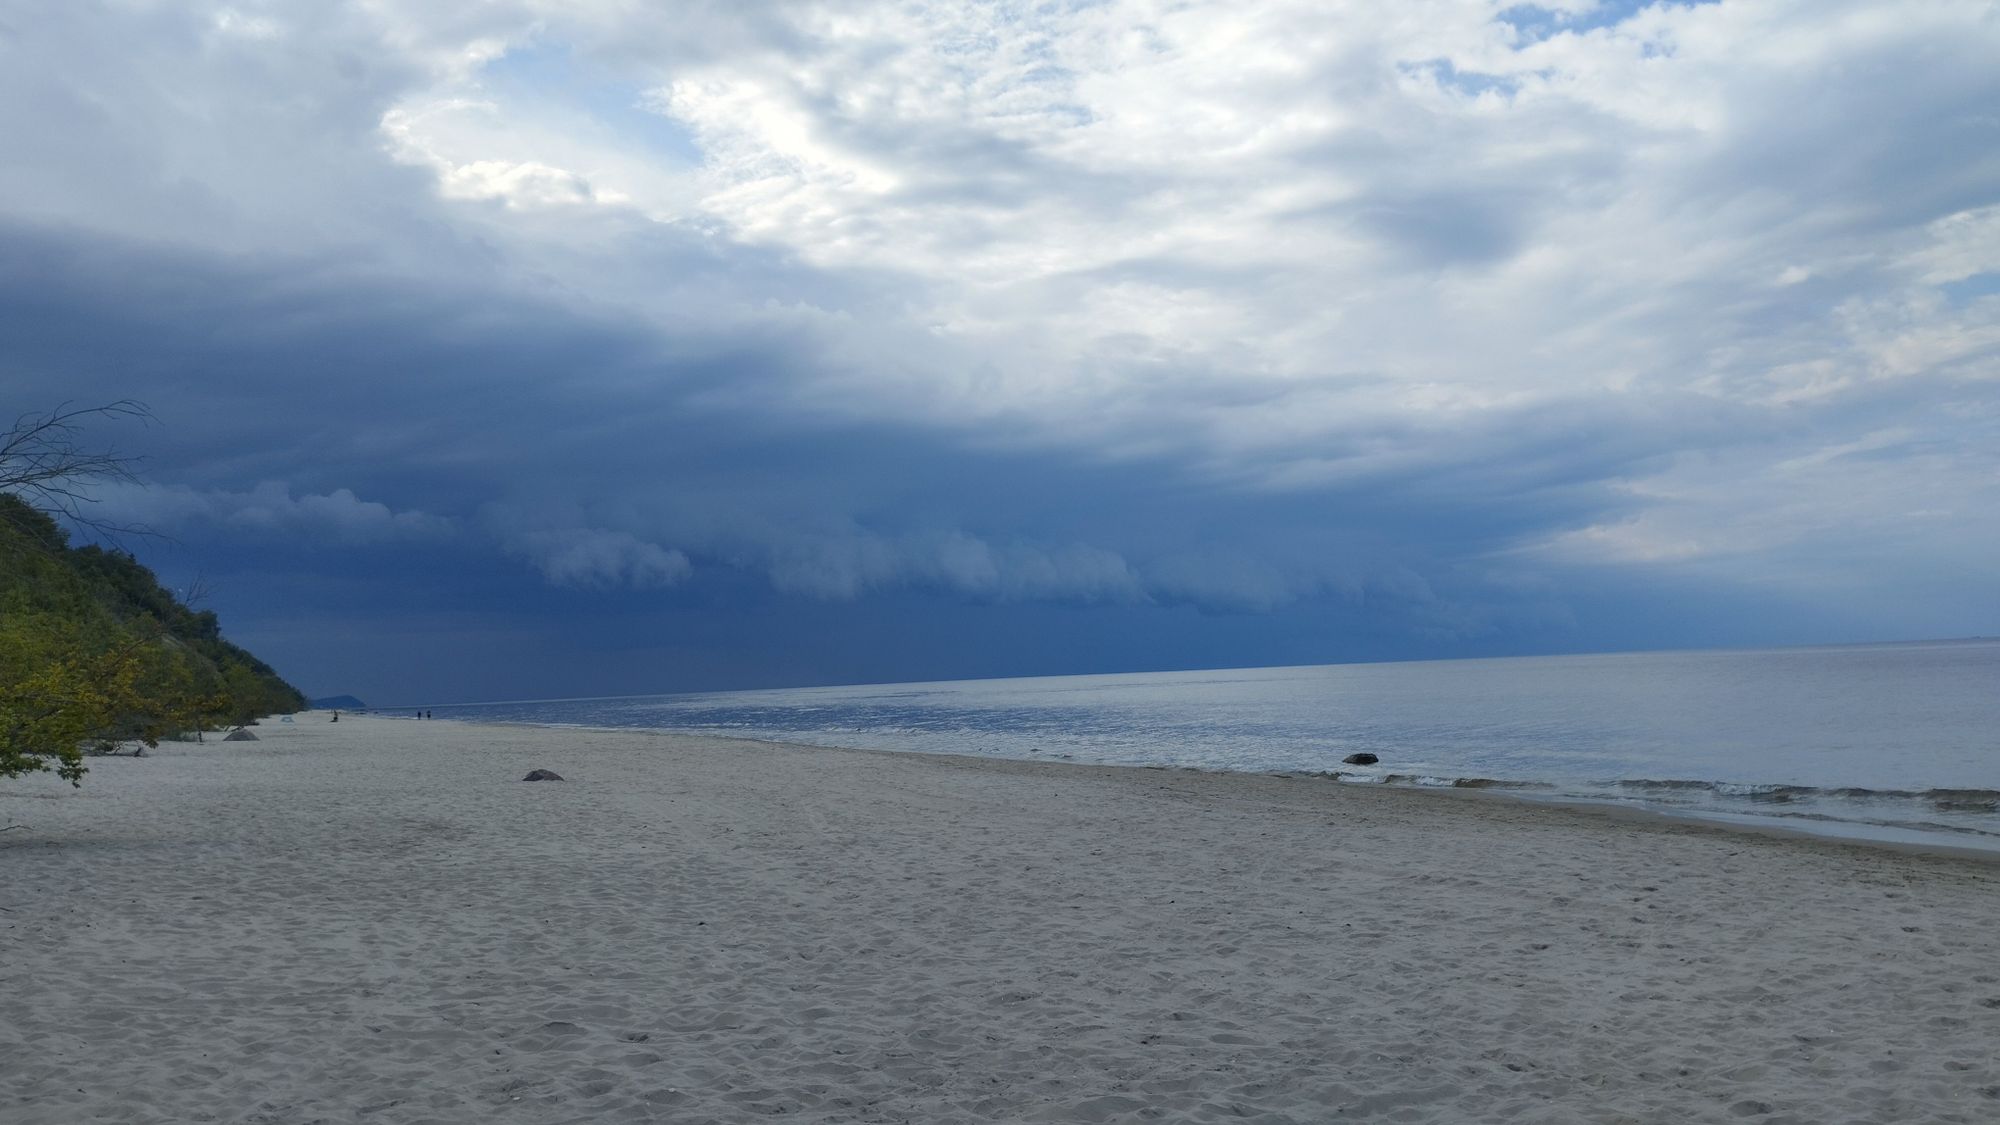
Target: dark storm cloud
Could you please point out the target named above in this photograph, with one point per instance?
(518, 420)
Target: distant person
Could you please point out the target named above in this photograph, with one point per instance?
(336, 716)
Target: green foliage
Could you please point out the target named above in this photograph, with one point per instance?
(94, 650)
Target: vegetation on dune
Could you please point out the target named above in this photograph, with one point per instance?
(94, 651)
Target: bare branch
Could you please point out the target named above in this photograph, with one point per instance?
(196, 591)
(44, 462)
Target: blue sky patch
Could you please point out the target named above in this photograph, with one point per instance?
(550, 72)
(1972, 288)
(1535, 23)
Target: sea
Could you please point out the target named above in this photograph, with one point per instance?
(1897, 742)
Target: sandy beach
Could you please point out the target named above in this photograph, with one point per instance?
(377, 921)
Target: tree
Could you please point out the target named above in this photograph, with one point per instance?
(59, 692)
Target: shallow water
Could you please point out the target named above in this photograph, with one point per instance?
(1879, 740)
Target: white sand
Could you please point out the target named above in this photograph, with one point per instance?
(376, 921)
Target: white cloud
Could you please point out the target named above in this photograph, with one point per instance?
(1958, 246)
(1074, 200)
(519, 185)
(1839, 516)
(269, 508)
(232, 21)
(594, 558)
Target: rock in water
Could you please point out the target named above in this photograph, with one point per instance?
(239, 736)
(542, 775)
(1362, 759)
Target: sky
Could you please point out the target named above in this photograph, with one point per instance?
(526, 349)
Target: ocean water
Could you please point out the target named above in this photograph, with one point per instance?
(1892, 741)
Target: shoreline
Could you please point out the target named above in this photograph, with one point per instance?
(1908, 840)
(379, 920)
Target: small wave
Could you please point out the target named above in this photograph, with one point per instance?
(1774, 794)
(1497, 783)
(1777, 794)
(1963, 800)
(1771, 794)
(1426, 781)
(1939, 826)
(1421, 780)
(1650, 783)
(1944, 800)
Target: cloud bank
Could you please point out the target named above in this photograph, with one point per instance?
(590, 557)
(269, 508)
